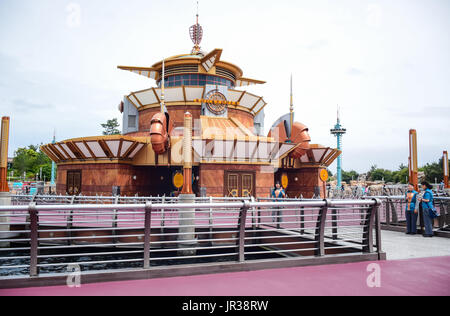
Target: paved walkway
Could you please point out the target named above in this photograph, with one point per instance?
(401, 246)
(415, 266)
(427, 276)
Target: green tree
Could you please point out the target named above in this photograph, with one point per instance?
(111, 127)
(349, 176)
(434, 171)
(30, 160)
(378, 174)
(401, 176)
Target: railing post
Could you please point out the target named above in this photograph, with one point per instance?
(378, 226)
(211, 222)
(34, 242)
(302, 220)
(115, 223)
(69, 224)
(447, 212)
(334, 224)
(253, 214)
(242, 222)
(320, 229)
(441, 218)
(163, 216)
(387, 208)
(147, 234)
(394, 211)
(368, 228)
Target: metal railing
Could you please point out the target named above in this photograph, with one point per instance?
(50, 238)
(18, 199)
(393, 211)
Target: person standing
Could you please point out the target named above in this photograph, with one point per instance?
(442, 186)
(411, 211)
(278, 193)
(427, 205)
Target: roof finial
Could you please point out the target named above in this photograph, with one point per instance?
(196, 32)
(291, 111)
(163, 83)
(197, 12)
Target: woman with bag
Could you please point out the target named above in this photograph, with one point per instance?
(411, 211)
(429, 212)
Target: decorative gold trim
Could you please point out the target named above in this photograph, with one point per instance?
(96, 162)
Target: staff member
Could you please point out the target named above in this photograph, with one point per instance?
(427, 202)
(277, 193)
(411, 212)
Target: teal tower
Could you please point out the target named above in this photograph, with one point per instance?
(339, 132)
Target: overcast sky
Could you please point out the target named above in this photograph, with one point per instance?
(386, 63)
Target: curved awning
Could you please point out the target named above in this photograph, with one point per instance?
(152, 98)
(100, 148)
(319, 155)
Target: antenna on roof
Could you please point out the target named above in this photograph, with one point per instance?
(196, 33)
(291, 111)
(197, 12)
(163, 85)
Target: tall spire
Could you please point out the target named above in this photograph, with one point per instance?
(163, 83)
(197, 12)
(291, 111)
(196, 33)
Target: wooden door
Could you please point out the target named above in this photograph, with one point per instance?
(73, 182)
(239, 184)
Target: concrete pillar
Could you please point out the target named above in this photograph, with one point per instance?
(187, 217)
(5, 199)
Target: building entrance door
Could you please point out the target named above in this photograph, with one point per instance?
(239, 184)
(73, 182)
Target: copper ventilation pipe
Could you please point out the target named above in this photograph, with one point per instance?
(4, 155)
(187, 154)
(300, 136)
(159, 133)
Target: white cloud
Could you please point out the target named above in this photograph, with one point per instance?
(384, 62)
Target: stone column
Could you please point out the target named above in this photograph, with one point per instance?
(5, 199)
(186, 217)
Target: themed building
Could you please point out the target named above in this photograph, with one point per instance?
(231, 154)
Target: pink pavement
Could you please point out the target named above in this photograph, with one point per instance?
(424, 277)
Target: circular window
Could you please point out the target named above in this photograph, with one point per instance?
(216, 102)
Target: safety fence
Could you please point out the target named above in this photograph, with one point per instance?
(393, 212)
(39, 239)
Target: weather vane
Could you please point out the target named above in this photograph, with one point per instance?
(196, 32)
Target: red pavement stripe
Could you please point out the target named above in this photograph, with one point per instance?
(428, 276)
